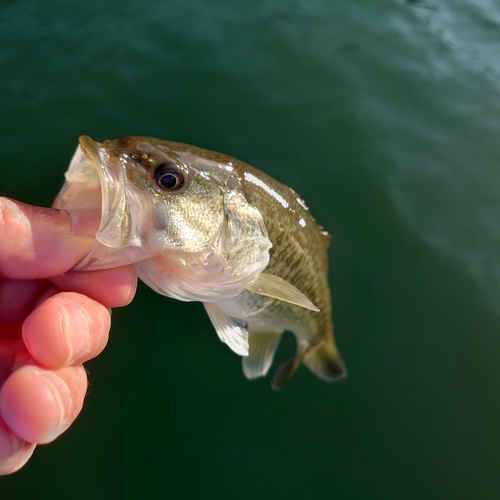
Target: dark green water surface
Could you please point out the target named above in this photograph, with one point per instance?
(385, 116)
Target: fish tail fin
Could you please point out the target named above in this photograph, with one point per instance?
(322, 358)
(325, 361)
(320, 355)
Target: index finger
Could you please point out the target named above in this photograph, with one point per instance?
(38, 242)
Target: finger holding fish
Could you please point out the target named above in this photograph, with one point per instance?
(48, 325)
(38, 404)
(43, 383)
(66, 329)
(14, 451)
(110, 287)
(38, 242)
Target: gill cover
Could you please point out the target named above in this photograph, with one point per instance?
(234, 259)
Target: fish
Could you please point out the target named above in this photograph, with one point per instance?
(198, 225)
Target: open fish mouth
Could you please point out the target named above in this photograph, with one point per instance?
(115, 227)
(96, 181)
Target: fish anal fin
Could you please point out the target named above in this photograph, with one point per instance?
(325, 362)
(262, 347)
(232, 331)
(285, 372)
(278, 288)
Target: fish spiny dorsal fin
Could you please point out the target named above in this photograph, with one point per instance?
(327, 237)
(231, 331)
(262, 346)
(277, 288)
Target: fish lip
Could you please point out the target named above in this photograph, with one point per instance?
(101, 156)
(90, 149)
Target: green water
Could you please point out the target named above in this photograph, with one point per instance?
(385, 116)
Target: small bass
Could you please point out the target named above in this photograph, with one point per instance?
(201, 226)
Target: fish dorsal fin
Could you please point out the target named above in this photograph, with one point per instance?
(277, 288)
(231, 331)
(327, 237)
(261, 349)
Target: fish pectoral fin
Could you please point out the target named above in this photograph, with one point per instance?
(261, 349)
(277, 288)
(231, 331)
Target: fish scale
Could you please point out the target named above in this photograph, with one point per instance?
(299, 255)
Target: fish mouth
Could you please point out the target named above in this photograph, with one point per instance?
(115, 228)
(96, 181)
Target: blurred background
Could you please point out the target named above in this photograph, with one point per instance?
(385, 116)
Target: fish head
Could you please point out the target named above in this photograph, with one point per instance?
(176, 212)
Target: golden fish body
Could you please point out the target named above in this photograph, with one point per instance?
(202, 226)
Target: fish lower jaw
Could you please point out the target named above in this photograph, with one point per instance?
(189, 284)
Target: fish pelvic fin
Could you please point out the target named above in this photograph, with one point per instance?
(262, 347)
(278, 288)
(231, 331)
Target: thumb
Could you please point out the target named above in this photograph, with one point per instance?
(38, 242)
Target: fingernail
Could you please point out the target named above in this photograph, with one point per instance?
(9, 443)
(76, 332)
(11, 211)
(14, 452)
(85, 222)
(58, 392)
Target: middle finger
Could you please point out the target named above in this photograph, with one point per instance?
(66, 329)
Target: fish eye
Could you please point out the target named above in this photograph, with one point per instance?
(169, 177)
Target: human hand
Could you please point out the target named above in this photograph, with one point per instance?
(51, 321)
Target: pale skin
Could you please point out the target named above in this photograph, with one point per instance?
(51, 321)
